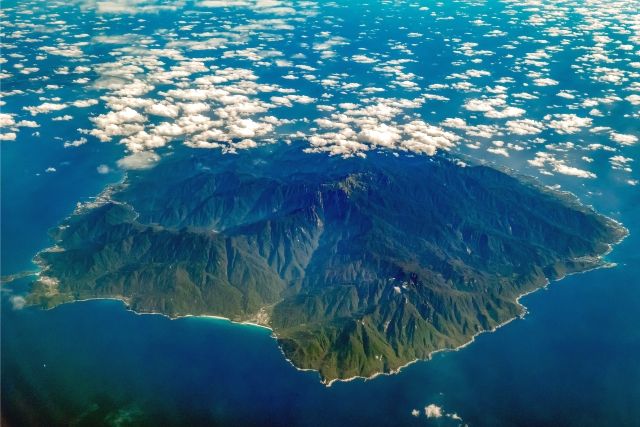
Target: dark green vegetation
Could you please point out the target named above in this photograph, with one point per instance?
(359, 265)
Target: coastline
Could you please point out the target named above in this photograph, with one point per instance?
(124, 302)
(329, 383)
(105, 196)
(471, 340)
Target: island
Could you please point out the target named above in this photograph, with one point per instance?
(358, 265)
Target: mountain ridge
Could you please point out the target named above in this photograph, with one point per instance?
(358, 265)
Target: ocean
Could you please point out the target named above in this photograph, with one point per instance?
(571, 361)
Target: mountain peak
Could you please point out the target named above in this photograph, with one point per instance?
(358, 265)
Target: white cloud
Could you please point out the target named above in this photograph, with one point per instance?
(168, 129)
(130, 7)
(545, 82)
(224, 3)
(103, 169)
(483, 105)
(426, 138)
(124, 122)
(573, 171)
(363, 59)
(63, 50)
(7, 120)
(501, 151)
(623, 139)
(127, 115)
(433, 411)
(83, 103)
(194, 108)
(64, 118)
(141, 140)
(27, 124)
(524, 127)
(381, 135)
(18, 302)
(505, 113)
(76, 143)
(565, 94)
(44, 108)
(248, 128)
(524, 95)
(139, 160)
(569, 123)
(163, 110)
(455, 123)
(541, 159)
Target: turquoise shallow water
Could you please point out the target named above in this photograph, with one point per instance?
(573, 360)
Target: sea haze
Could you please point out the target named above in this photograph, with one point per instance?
(93, 90)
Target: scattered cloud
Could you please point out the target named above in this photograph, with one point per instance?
(624, 139)
(18, 302)
(139, 160)
(542, 159)
(237, 86)
(103, 169)
(433, 411)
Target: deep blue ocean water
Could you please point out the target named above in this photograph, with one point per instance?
(572, 361)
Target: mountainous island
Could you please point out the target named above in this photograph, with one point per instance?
(359, 265)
